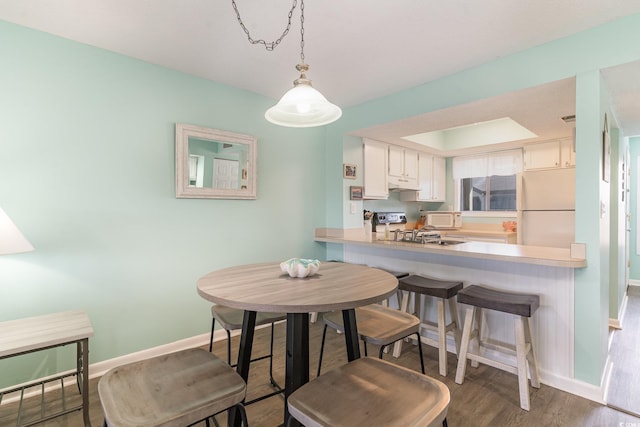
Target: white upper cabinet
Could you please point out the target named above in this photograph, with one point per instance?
(432, 184)
(439, 184)
(567, 153)
(376, 185)
(542, 156)
(403, 167)
(549, 155)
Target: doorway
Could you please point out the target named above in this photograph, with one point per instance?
(225, 173)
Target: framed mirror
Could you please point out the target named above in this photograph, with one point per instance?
(215, 164)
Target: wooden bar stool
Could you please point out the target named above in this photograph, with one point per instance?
(175, 389)
(398, 275)
(370, 392)
(231, 319)
(522, 306)
(377, 325)
(442, 291)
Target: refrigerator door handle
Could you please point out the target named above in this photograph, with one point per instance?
(519, 192)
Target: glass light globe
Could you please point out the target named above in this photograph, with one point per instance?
(303, 106)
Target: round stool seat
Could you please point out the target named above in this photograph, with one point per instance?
(231, 318)
(428, 286)
(178, 388)
(378, 325)
(368, 392)
(508, 302)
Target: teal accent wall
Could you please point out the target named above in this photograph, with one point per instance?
(87, 173)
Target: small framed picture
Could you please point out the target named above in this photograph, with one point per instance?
(355, 193)
(349, 171)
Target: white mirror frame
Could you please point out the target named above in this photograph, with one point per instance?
(183, 190)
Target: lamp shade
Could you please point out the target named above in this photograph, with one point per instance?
(303, 106)
(11, 239)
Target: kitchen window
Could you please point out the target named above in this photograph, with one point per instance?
(487, 182)
(490, 193)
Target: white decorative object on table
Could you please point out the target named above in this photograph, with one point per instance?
(299, 267)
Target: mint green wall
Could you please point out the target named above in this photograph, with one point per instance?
(581, 56)
(87, 174)
(617, 256)
(591, 308)
(634, 164)
(86, 160)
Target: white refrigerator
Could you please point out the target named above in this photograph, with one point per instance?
(546, 201)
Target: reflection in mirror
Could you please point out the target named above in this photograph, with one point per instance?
(211, 163)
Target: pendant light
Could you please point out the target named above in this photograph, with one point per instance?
(301, 106)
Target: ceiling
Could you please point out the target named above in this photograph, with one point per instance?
(357, 50)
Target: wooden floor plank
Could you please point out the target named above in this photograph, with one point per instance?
(488, 397)
(624, 383)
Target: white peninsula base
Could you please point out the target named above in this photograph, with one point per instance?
(553, 322)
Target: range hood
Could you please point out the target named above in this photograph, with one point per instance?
(400, 186)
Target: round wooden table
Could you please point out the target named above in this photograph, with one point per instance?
(263, 287)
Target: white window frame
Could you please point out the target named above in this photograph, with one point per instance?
(478, 214)
(507, 214)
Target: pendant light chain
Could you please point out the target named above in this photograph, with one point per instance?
(301, 106)
(302, 31)
(268, 45)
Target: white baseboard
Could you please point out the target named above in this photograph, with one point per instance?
(623, 309)
(574, 386)
(570, 385)
(606, 376)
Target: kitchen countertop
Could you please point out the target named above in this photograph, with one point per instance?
(538, 255)
(478, 232)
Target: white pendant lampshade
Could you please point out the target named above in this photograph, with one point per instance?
(11, 239)
(303, 106)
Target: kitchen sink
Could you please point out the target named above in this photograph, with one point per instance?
(444, 242)
(441, 242)
(424, 237)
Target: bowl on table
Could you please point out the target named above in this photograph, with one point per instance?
(300, 267)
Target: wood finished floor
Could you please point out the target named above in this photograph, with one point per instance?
(624, 383)
(488, 397)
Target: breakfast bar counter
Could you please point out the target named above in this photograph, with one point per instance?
(544, 271)
(537, 255)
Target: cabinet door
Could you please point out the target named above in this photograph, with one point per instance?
(411, 165)
(425, 164)
(375, 170)
(438, 183)
(396, 161)
(542, 156)
(431, 180)
(567, 153)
